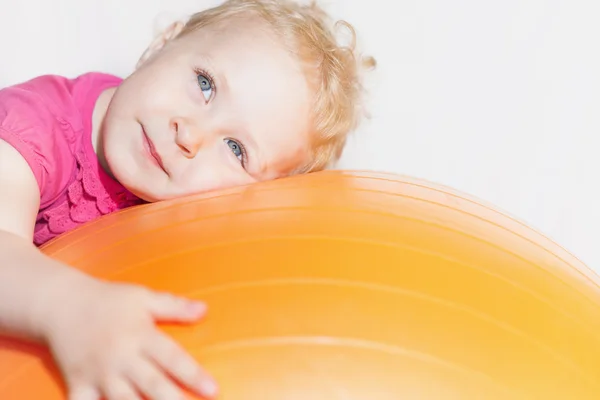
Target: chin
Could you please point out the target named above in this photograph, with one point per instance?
(150, 195)
(143, 193)
(144, 196)
(131, 182)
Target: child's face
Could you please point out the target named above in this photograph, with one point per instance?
(218, 107)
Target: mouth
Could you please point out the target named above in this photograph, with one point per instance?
(152, 153)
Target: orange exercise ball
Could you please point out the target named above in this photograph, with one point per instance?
(348, 285)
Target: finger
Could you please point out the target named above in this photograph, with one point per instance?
(153, 383)
(180, 365)
(164, 306)
(83, 392)
(120, 389)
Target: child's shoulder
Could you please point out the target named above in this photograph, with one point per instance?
(48, 99)
(47, 119)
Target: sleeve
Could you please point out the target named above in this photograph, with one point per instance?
(27, 124)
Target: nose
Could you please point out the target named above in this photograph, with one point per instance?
(188, 140)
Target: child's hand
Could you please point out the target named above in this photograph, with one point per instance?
(104, 339)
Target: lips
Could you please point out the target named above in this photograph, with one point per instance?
(152, 152)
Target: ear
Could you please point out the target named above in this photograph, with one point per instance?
(161, 40)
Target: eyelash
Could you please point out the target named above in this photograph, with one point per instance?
(211, 79)
(244, 160)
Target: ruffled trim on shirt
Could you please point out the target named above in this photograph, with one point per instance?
(88, 197)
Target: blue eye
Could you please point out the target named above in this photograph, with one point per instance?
(206, 85)
(236, 148)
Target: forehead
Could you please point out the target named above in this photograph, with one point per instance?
(260, 86)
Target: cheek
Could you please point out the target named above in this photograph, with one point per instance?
(201, 182)
(212, 169)
(155, 90)
(118, 133)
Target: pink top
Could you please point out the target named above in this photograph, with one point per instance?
(49, 121)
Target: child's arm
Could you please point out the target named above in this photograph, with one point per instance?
(26, 275)
(102, 334)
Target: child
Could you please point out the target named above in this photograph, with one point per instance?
(244, 92)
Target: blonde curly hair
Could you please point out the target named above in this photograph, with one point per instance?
(333, 70)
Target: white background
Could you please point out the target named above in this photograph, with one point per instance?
(497, 98)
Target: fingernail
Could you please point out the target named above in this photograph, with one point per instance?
(197, 307)
(209, 388)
